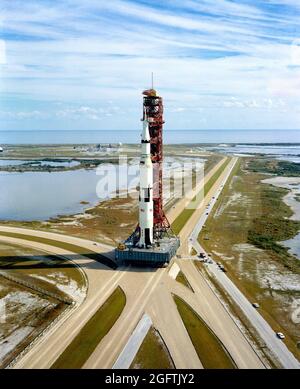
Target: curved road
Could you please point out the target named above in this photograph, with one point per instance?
(148, 291)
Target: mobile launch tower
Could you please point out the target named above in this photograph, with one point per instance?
(152, 242)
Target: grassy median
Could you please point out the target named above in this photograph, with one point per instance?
(153, 353)
(209, 348)
(183, 280)
(82, 347)
(184, 216)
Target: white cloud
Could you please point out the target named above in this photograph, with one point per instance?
(265, 103)
(85, 54)
(87, 112)
(2, 52)
(20, 115)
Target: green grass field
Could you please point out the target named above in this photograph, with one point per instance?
(81, 348)
(273, 225)
(183, 280)
(209, 348)
(244, 230)
(182, 219)
(152, 354)
(280, 168)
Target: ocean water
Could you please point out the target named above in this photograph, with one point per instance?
(133, 136)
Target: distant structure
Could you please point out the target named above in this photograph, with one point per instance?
(1, 150)
(153, 242)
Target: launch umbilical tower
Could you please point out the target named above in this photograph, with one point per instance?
(153, 112)
(153, 241)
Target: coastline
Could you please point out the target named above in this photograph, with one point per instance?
(290, 199)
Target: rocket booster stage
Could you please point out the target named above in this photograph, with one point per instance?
(146, 189)
(153, 241)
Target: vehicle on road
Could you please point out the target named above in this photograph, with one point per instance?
(255, 305)
(280, 335)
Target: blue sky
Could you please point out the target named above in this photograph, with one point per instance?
(82, 64)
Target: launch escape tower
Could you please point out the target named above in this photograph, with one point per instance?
(153, 242)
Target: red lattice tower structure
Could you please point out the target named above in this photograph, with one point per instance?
(154, 110)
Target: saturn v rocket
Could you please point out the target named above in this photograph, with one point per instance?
(146, 189)
(153, 241)
(153, 223)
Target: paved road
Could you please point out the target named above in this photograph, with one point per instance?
(102, 281)
(134, 343)
(275, 345)
(212, 311)
(100, 248)
(147, 291)
(209, 204)
(182, 203)
(138, 287)
(185, 234)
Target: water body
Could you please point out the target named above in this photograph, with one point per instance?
(289, 153)
(133, 136)
(16, 162)
(41, 195)
(293, 185)
(10, 162)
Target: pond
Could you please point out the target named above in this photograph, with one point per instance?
(42, 195)
(16, 162)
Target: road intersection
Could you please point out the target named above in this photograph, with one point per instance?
(147, 291)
